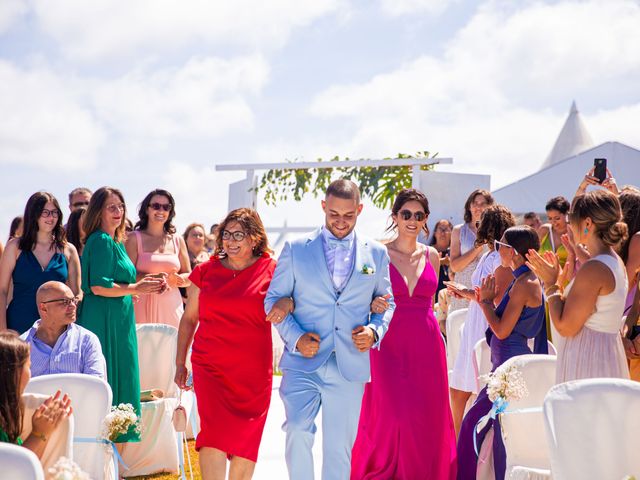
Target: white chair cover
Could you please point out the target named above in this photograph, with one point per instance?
(91, 400)
(526, 473)
(158, 449)
(61, 442)
(551, 347)
(455, 322)
(481, 361)
(522, 424)
(592, 428)
(19, 463)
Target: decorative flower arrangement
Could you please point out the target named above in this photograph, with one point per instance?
(367, 270)
(66, 469)
(119, 420)
(506, 383)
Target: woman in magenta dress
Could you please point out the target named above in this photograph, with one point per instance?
(232, 352)
(406, 429)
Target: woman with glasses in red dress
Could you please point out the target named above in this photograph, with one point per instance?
(41, 254)
(155, 249)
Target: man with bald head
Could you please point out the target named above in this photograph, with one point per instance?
(58, 345)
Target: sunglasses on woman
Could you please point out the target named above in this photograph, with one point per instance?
(161, 206)
(497, 244)
(407, 214)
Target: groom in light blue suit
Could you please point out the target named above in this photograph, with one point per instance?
(332, 275)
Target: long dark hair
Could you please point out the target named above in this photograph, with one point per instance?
(73, 227)
(15, 225)
(92, 220)
(630, 203)
(32, 211)
(407, 195)
(467, 205)
(143, 221)
(13, 356)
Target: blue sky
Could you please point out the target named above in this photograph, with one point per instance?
(139, 94)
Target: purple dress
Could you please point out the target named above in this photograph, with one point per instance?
(406, 429)
(529, 325)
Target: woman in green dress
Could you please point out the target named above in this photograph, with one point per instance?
(108, 282)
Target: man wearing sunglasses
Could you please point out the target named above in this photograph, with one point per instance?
(79, 198)
(332, 275)
(58, 345)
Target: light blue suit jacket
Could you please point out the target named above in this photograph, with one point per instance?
(302, 273)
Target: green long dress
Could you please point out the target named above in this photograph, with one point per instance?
(105, 262)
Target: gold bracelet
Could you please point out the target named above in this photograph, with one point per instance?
(551, 290)
(557, 294)
(39, 435)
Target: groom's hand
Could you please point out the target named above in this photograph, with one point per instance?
(308, 344)
(363, 338)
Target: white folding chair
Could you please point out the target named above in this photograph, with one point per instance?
(455, 323)
(592, 429)
(19, 463)
(550, 346)
(160, 446)
(523, 433)
(91, 401)
(60, 443)
(481, 361)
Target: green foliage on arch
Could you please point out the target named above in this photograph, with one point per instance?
(379, 184)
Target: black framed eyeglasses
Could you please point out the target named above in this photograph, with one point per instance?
(237, 236)
(407, 214)
(161, 206)
(55, 213)
(66, 302)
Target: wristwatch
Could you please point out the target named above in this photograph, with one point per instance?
(375, 335)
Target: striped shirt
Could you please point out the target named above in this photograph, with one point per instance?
(340, 255)
(77, 350)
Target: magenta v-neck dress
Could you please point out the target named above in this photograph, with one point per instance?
(406, 429)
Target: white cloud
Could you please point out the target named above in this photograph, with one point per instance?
(60, 120)
(42, 123)
(403, 7)
(10, 11)
(205, 97)
(480, 101)
(112, 28)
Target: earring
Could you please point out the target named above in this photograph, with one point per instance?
(586, 230)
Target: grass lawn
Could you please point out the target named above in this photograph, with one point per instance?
(170, 476)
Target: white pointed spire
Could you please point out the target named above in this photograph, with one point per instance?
(573, 139)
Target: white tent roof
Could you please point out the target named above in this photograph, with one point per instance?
(532, 193)
(573, 139)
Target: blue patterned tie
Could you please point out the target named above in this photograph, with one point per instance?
(338, 243)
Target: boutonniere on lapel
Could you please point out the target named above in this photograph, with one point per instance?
(367, 270)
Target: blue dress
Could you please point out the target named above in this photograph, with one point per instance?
(529, 325)
(28, 276)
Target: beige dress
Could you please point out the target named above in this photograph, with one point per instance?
(467, 242)
(596, 350)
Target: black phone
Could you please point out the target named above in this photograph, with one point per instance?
(600, 170)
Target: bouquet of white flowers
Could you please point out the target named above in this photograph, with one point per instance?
(65, 469)
(119, 420)
(506, 383)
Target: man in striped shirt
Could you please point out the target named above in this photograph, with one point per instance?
(58, 345)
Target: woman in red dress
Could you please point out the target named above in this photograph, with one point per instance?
(232, 352)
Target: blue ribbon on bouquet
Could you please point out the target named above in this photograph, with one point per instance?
(104, 441)
(499, 406)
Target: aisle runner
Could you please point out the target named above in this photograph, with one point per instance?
(271, 463)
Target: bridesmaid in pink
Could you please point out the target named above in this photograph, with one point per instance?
(155, 248)
(406, 428)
